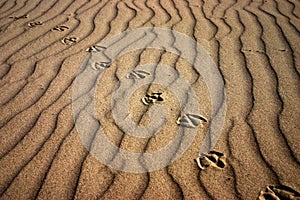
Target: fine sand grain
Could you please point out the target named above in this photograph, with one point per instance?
(255, 47)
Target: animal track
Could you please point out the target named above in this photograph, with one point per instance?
(251, 50)
(60, 28)
(137, 74)
(69, 40)
(278, 192)
(95, 48)
(20, 17)
(33, 24)
(101, 65)
(152, 98)
(213, 158)
(190, 120)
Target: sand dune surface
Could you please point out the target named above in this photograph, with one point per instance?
(140, 99)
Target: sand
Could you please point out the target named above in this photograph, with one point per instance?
(66, 82)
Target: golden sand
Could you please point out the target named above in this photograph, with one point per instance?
(255, 46)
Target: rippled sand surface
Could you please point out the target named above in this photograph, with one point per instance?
(254, 45)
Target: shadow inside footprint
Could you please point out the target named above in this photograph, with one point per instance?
(213, 159)
(268, 196)
(220, 164)
(217, 153)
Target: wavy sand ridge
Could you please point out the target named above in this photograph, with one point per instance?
(43, 44)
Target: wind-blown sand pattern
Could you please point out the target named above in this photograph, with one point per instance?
(255, 45)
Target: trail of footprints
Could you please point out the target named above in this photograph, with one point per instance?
(59, 28)
(188, 120)
(95, 48)
(213, 159)
(217, 160)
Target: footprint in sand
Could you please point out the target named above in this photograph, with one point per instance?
(33, 24)
(190, 120)
(278, 193)
(137, 74)
(213, 158)
(69, 40)
(20, 17)
(101, 65)
(152, 98)
(60, 28)
(95, 48)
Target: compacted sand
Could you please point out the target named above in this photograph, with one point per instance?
(45, 45)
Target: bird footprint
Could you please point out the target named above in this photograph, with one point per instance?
(213, 158)
(101, 65)
(20, 17)
(95, 48)
(152, 98)
(69, 40)
(137, 74)
(278, 192)
(190, 120)
(33, 24)
(60, 28)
